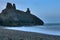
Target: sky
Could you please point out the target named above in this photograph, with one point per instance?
(46, 10)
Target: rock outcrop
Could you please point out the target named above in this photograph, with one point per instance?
(28, 11)
(9, 5)
(14, 7)
(10, 16)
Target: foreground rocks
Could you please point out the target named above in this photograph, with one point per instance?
(10, 16)
(6, 34)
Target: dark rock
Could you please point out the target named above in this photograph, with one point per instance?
(12, 17)
(14, 7)
(9, 5)
(28, 10)
(37, 21)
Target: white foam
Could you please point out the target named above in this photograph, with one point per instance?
(38, 29)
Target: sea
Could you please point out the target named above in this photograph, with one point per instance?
(50, 29)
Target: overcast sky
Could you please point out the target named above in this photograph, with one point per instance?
(47, 10)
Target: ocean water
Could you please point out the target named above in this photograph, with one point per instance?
(50, 29)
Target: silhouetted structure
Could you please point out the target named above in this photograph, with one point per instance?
(9, 5)
(28, 10)
(10, 16)
(14, 7)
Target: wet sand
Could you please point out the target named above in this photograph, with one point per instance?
(6, 34)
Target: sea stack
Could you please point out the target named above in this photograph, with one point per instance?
(10, 16)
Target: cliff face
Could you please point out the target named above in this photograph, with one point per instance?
(10, 16)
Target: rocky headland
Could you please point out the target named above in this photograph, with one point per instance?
(10, 16)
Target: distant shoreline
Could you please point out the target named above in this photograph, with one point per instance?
(52, 24)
